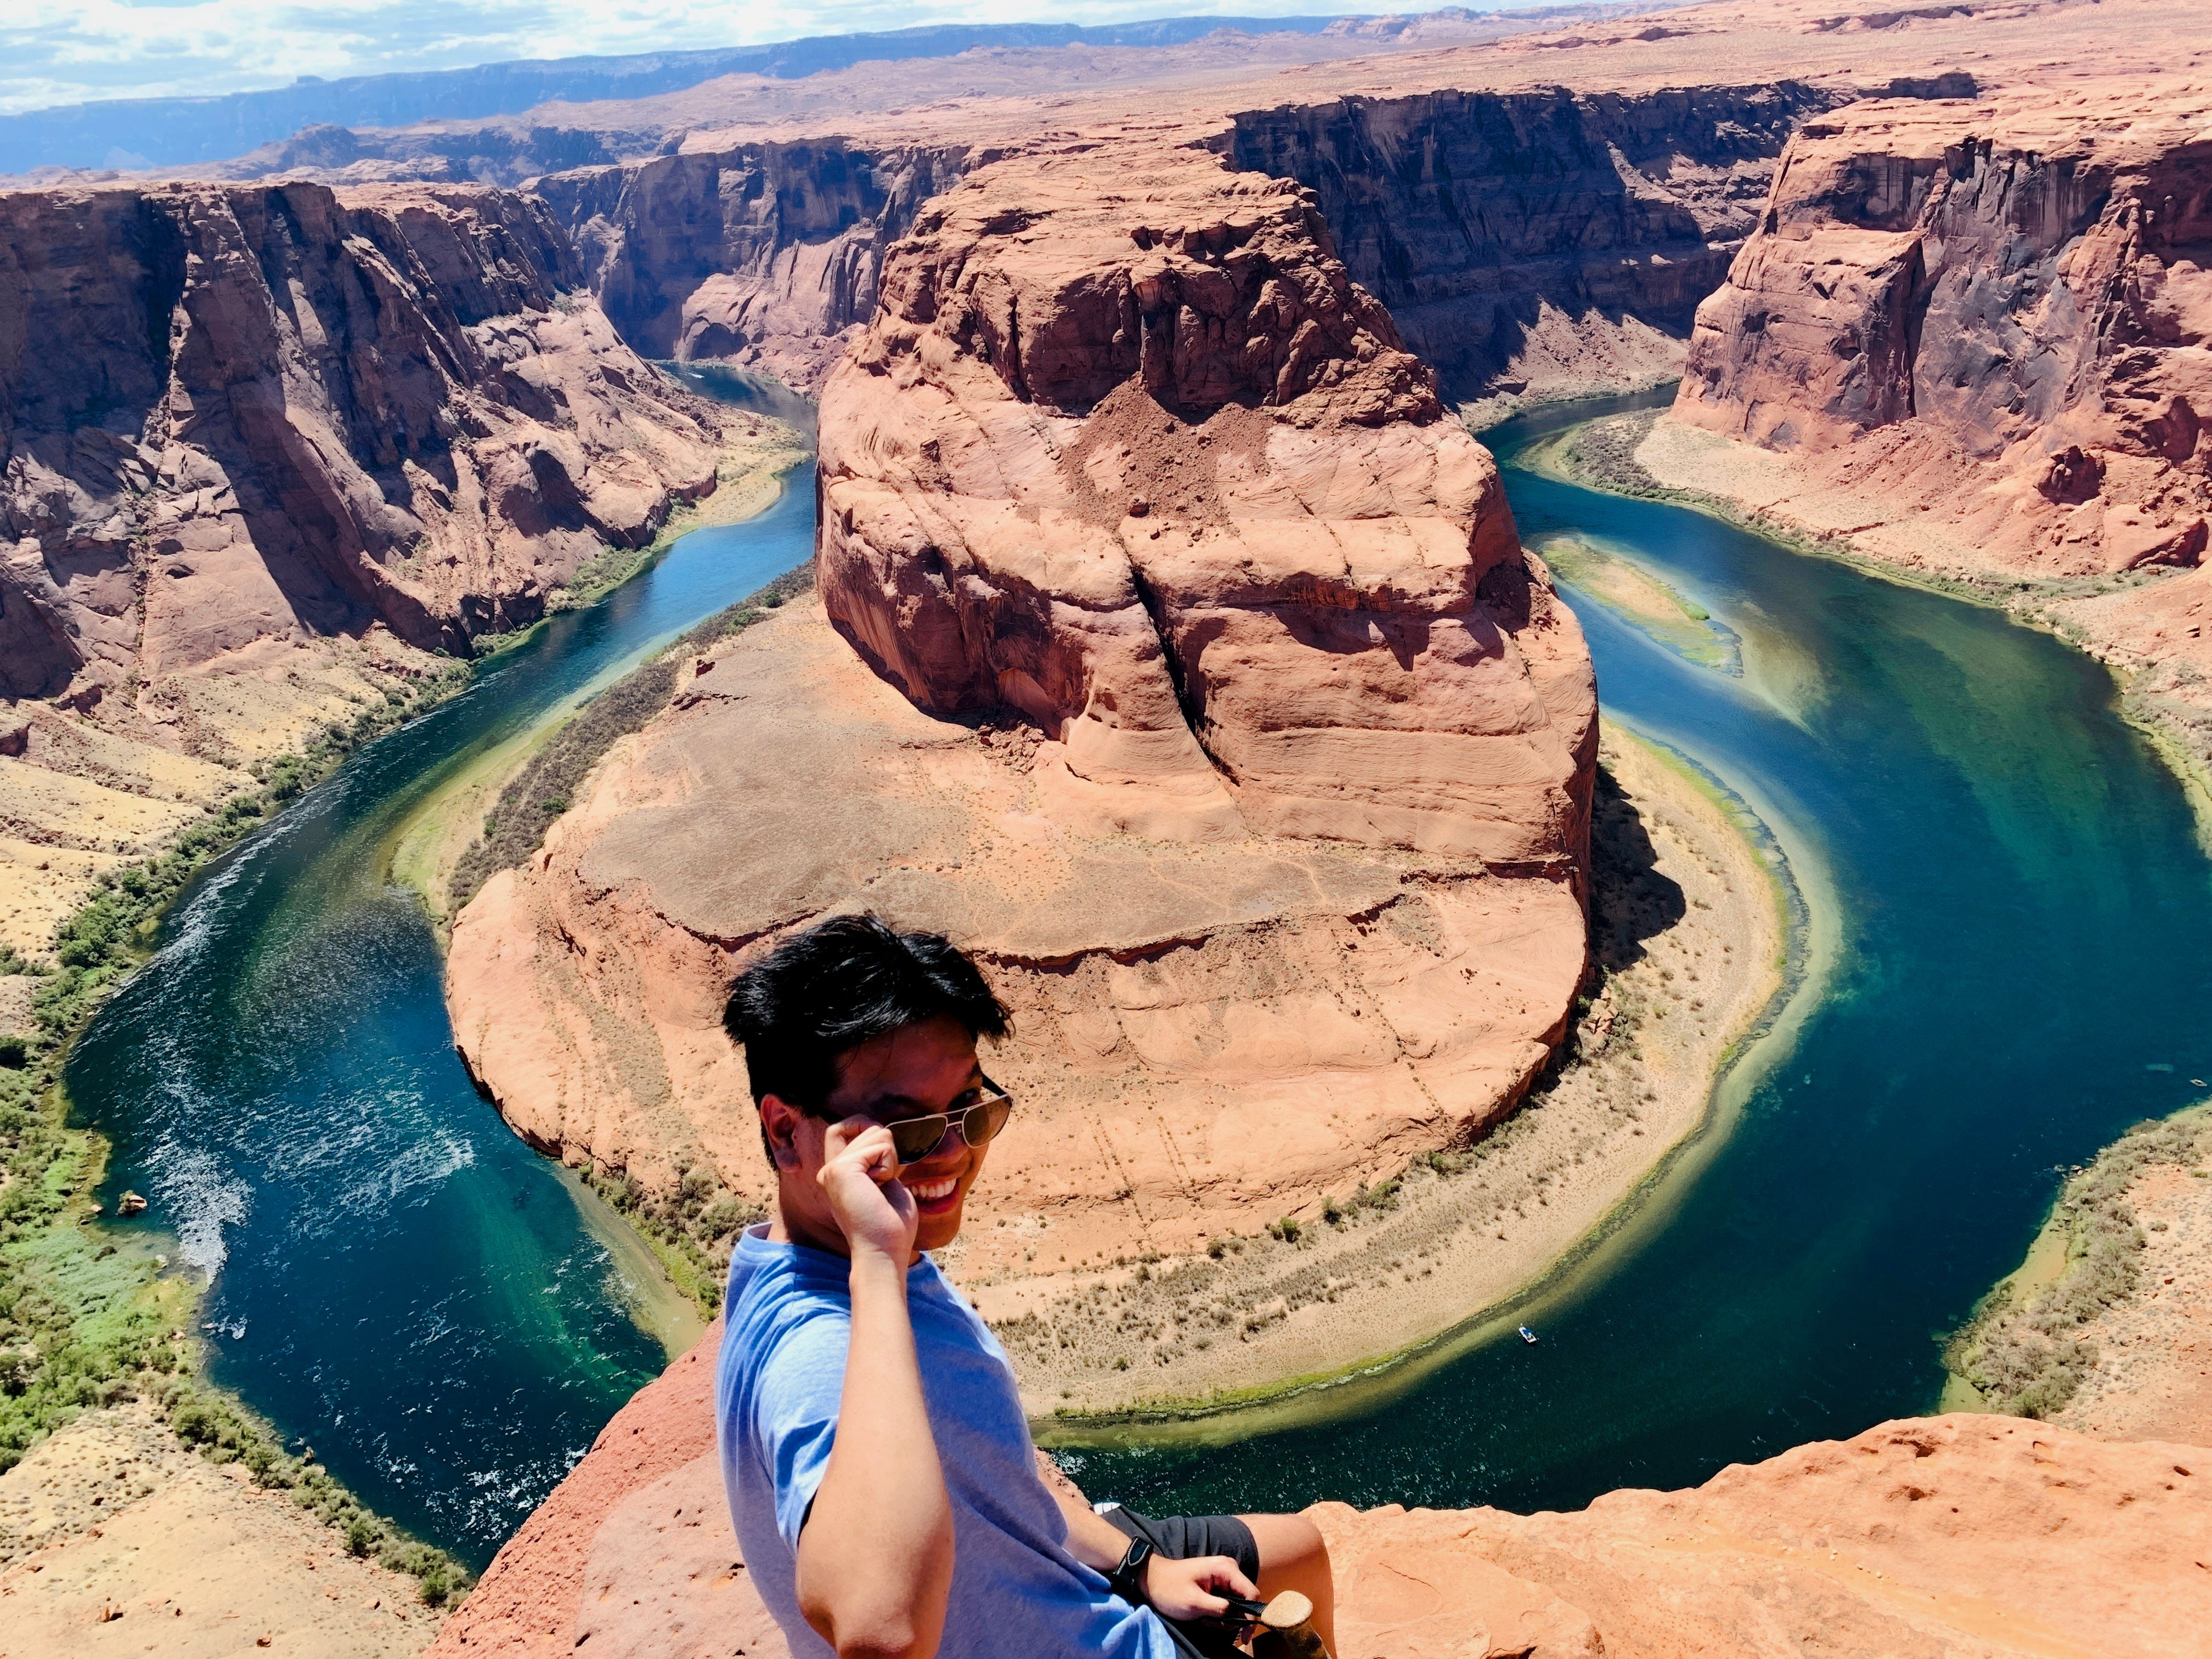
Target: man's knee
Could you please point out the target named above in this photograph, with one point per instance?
(1288, 1544)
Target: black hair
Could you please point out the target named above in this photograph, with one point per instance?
(821, 994)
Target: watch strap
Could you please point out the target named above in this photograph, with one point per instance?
(1127, 1577)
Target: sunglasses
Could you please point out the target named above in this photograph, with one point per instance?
(914, 1139)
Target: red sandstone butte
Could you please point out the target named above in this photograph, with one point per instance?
(235, 414)
(1201, 686)
(1128, 452)
(1961, 1537)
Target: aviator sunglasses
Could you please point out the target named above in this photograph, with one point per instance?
(914, 1139)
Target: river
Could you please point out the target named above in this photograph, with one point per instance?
(394, 1278)
(2013, 923)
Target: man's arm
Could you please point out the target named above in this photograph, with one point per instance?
(1174, 1590)
(875, 1556)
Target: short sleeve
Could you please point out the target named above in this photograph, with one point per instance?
(795, 1401)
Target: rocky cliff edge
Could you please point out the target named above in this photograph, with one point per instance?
(1976, 338)
(1934, 1538)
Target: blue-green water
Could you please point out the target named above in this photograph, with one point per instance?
(395, 1278)
(2019, 941)
(2019, 960)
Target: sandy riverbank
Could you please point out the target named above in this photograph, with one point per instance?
(1691, 933)
(115, 1539)
(434, 836)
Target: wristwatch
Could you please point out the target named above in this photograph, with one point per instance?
(1128, 1578)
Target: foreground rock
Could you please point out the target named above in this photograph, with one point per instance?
(1960, 1535)
(262, 454)
(1975, 340)
(1201, 686)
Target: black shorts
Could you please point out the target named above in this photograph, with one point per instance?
(1182, 1538)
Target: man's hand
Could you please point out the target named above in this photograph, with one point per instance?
(859, 1169)
(1185, 1590)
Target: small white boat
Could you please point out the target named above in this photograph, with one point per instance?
(1528, 1336)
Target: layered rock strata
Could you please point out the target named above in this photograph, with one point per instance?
(761, 254)
(1175, 652)
(1948, 1537)
(236, 415)
(1977, 337)
(1539, 244)
(264, 452)
(1126, 453)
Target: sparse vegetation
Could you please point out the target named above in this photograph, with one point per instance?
(223, 1431)
(691, 1230)
(82, 1324)
(544, 787)
(2029, 1357)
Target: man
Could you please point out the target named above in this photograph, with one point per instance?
(878, 1466)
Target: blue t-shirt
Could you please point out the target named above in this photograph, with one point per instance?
(1016, 1591)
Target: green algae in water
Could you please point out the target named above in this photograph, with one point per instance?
(1644, 600)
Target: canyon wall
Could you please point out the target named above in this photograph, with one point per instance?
(1174, 651)
(1959, 1537)
(2021, 289)
(233, 413)
(764, 254)
(1537, 243)
(1546, 243)
(264, 454)
(1976, 339)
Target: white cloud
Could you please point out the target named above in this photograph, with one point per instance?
(61, 52)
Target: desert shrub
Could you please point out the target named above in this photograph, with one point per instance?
(692, 1227)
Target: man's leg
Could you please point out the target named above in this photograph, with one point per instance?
(1293, 1557)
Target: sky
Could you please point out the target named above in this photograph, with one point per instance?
(67, 51)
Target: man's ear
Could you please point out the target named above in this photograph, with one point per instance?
(780, 1121)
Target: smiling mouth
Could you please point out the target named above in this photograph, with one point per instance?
(934, 1192)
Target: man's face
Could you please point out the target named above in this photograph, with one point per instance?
(913, 1072)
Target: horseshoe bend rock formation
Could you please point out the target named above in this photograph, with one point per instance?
(1948, 1537)
(1200, 683)
(1150, 469)
(1978, 337)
